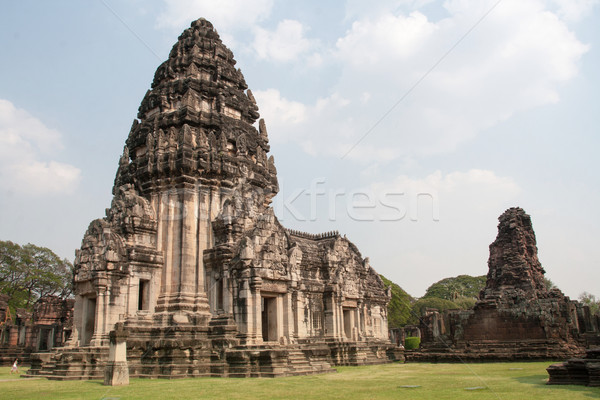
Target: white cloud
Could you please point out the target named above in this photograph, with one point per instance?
(285, 44)
(359, 8)
(450, 196)
(449, 221)
(24, 144)
(388, 37)
(286, 118)
(281, 111)
(226, 15)
(575, 10)
(516, 59)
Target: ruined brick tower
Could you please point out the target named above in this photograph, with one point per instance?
(190, 259)
(517, 317)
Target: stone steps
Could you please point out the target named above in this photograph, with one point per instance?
(362, 353)
(69, 363)
(8, 355)
(298, 364)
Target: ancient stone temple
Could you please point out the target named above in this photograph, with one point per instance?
(517, 317)
(48, 326)
(190, 262)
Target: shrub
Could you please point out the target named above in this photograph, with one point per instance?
(412, 342)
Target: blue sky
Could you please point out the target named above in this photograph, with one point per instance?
(409, 126)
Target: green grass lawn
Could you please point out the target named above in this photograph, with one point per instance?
(435, 381)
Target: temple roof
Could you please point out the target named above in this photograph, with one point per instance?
(197, 120)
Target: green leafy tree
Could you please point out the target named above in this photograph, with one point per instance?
(549, 284)
(462, 286)
(418, 309)
(29, 272)
(465, 303)
(399, 309)
(588, 299)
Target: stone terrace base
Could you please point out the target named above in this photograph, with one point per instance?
(265, 361)
(494, 351)
(210, 350)
(577, 371)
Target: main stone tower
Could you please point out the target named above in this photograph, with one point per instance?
(190, 260)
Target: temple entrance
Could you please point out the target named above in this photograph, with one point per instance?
(22, 330)
(143, 295)
(89, 320)
(348, 322)
(46, 339)
(220, 295)
(269, 318)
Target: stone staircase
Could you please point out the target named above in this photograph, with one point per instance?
(361, 353)
(8, 355)
(300, 364)
(270, 361)
(69, 363)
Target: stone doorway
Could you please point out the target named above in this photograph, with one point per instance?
(220, 295)
(46, 339)
(269, 318)
(144, 295)
(89, 320)
(22, 331)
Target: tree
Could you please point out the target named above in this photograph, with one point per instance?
(588, 299)
(457, 287)
(549, 284)
(418, 308)
(29, 272)
(399, 309)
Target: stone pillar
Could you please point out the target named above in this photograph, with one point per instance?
(100, 335)
(174, 257)
(328, 313)
(13, 338)
(162, 221)
(254, 310)
(341, 332)
(288, 317)
(117, 370)
(384, 327)
(165, 217)
(78, 323)
(207, 205)
(182, 253)
(241, 307)
(227, 294)
(189, 232)
(281, 322)
(362, 311)
(297, 310)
